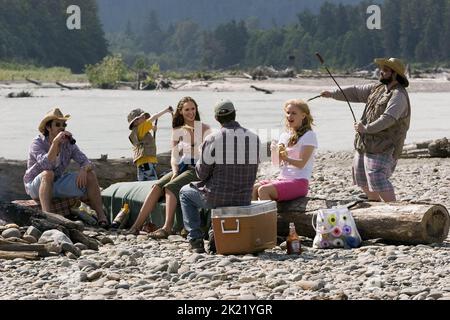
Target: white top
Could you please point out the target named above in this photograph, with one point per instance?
(189, 149)
(288, 171)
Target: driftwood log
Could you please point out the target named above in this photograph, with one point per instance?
(261, 89)
(402, 223)
(439, 148)
(264, 72)
(78, 236)
(9, 255)
(108, 172)
(65, 86)
(38, 83)
(24, 216)
(42, 250)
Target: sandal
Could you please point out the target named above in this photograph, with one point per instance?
(159, 234)
(103, 224)
(133, 231)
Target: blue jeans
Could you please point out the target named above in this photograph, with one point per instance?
(192, 200)
(147, 172)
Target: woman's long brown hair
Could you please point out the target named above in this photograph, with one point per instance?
(178, 120)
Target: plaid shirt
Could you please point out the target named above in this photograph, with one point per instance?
(228, 166)
(38, 158)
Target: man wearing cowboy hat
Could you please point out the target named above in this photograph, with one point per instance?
(382, 130)
(49, 156)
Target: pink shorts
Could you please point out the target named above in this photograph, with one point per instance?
(288, 189)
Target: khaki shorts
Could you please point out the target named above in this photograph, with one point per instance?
(179, 182)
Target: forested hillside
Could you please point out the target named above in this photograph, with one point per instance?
(115, 14)
(415, 30)
(35, 31)
(210, 34)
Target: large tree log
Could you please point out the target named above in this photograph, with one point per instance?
(108, 172)
(38, 83)
(261, 89)
(24, 216)
(7, 255)
(11, 246)
(60, 220)
(78, 236)
(405, 223)
(44, 225)
(12, 213)
(40, 249)
(65, 86)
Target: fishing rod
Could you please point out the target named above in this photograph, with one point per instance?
(316, 97)
(154, 131)
(322, 62)
(156, 123)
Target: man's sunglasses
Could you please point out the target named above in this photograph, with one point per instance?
(60, 124)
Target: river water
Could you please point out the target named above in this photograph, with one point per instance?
(99, 122)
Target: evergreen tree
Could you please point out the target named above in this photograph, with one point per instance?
(308, 22)
(233, 37)
(414, 30)
(445, 34)
(152, 36)
(210, 50)
(391, 11)
(429, 46)
(326, 21)
(36, 31)
(411, 27)
(185, 43)
(129, 30)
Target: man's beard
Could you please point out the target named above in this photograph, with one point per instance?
(386, 81)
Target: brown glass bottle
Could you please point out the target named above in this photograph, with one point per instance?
(121, 218)
(293, 245)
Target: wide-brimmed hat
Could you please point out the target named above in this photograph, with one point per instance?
(395, 64)
(54, 114)
(134, 114)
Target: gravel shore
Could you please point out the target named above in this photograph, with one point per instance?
(141, 268)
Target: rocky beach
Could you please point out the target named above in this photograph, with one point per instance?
(107, 72)
(136, 267)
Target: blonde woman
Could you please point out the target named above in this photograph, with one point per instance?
(295, 149)
(187, 136)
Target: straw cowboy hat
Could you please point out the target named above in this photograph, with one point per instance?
(136, 113)
(54, 114)
(395, 64)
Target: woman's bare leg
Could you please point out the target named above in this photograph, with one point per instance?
(255, 192)
(171, 206)
(267, 192)
(148, 206)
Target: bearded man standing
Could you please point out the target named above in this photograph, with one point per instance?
(382, 130)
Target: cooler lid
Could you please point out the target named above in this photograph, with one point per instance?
(256, 207)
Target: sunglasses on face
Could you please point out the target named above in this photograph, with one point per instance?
(60, 124)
